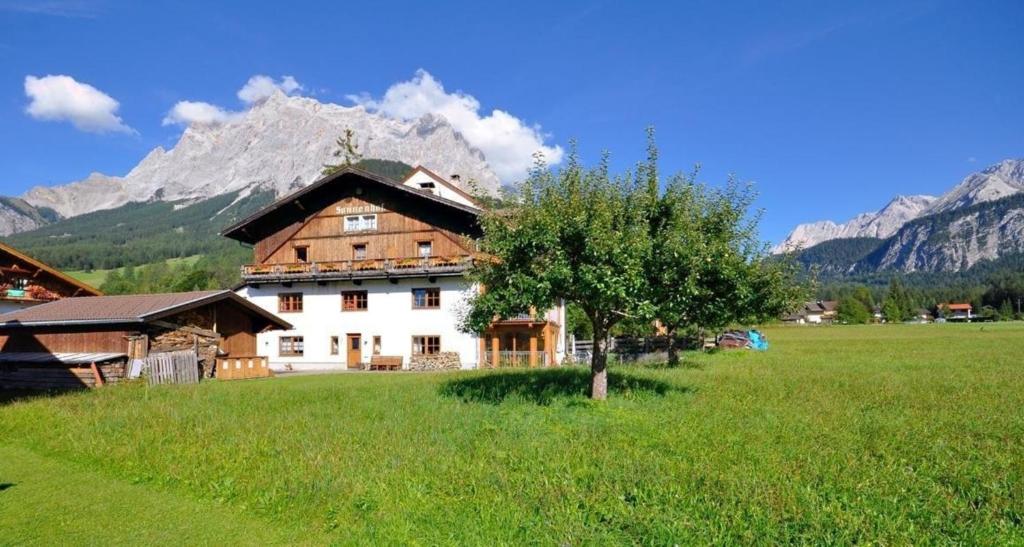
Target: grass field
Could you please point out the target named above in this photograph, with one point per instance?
(882, 434)
(97, 277)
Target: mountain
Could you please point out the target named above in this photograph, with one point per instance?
(278, 145)
(1004, 179)
(879, 224)
(954, 239)
(16, 215)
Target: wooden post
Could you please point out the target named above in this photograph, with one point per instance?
(483, 352)
(494, 350)
(96, 375)
(533, 350)
(548, 346)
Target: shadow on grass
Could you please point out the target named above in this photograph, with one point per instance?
(14, 395)
(5, 485)
(544, 386)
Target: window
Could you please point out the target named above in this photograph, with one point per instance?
(426, 298)
(426, 345)
(334, 345)
(358, 223)
(290, 346)
(424, 249)
(359, 251)
(376, 345)
(354, 301)
(302, 254)
(289, 302)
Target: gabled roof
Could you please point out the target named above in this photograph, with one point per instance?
(958, 307)
(50, 270)
(440, 180)
(125, 309)
(292, 204)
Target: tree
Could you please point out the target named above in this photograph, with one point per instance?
(1006, 310)
(348, 151)
(898, 305)
(852, 310)
(576, 234)
(707, 268)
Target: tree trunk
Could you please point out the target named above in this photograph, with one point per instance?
(599, 367)
(673, 352)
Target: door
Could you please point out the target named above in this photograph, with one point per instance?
(354, 353)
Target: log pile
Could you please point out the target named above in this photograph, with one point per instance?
(184, 332)
(445, 360)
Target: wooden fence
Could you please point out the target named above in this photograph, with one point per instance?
(173, 367)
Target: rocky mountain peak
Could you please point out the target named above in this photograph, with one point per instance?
(1003, 179)
(280, 143)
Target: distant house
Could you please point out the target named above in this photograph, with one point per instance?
(815, 313)
(25, 281)
(821, 311)
(923, 316)
(958, 311)
(84, 341)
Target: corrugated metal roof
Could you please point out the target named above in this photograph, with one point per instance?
(58, 358)
(135, 308)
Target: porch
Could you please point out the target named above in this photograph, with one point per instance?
(523, 341)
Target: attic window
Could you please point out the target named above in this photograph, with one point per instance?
(358, 223)
(427, 185)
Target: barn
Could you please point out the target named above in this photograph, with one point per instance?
(90, 341)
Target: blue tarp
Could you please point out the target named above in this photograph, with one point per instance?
(757, 341)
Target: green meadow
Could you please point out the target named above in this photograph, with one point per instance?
(871, 434)
(97, 277)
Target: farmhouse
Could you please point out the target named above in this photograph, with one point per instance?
(88, 341)
(372, 273)
(816, 312)
(958, 311)
(25, 281)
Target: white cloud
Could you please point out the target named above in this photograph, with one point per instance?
(62, 98)
(506, 141)
(260, 87)
(190, 112)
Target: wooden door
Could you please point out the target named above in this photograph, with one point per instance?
(354, 352)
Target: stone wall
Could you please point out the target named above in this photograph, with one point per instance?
(446, 360)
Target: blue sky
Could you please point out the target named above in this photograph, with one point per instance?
(831, 108)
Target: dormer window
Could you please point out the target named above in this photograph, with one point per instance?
(360, 223)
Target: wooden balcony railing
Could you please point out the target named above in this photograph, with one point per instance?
(433, 264)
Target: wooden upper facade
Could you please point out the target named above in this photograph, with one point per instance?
(356, 224)
(25, 280)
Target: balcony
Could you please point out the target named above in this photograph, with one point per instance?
(31, 293)
(357, 269)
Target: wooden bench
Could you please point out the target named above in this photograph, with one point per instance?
(385, 362)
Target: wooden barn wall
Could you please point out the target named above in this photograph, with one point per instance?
(396, 236)
(236, 326)
(238, 330)
(65, 341)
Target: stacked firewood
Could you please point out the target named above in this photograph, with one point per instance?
(188, 338)
(446, 360)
